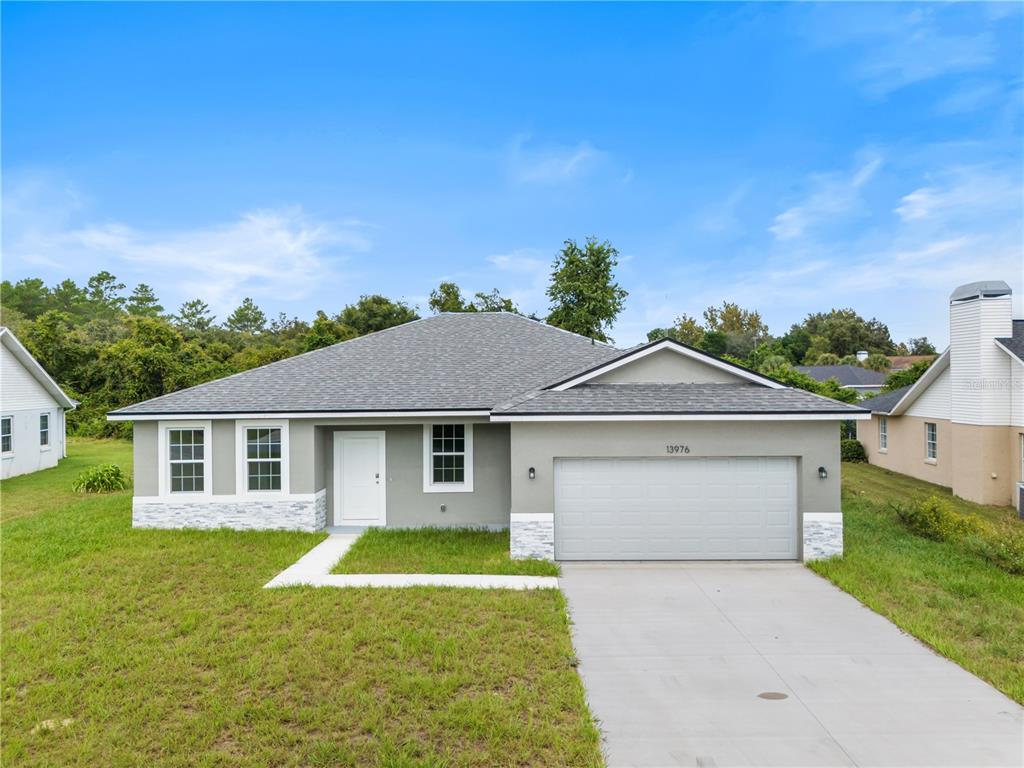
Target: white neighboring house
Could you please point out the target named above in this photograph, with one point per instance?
(32, 406)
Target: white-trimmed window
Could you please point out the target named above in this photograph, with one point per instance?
(7, 434)
(261, 448)
(44, 430)
(447, 457)
(186, 453)
(263, 458)
(931, 441)
(883, 433)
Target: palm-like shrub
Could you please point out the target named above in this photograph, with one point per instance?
(104, 478)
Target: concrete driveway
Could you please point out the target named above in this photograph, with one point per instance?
(675, 657)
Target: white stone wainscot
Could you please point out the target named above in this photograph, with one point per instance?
(532, 535)
(823, 535)
(298, 512)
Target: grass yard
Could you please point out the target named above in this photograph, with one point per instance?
(161, 648)
(956, 602)
(438, 550)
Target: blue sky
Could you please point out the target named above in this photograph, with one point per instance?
(791, 158)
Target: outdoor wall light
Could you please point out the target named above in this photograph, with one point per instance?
(823, 473)
(532, 473)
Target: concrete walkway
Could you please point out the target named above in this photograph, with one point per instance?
(313, 569)
(770, 665)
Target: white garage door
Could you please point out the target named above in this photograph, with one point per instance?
(676, 509)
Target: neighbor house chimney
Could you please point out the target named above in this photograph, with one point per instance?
(979, 313)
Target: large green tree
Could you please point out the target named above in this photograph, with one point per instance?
(375, 313)
(326, 331)
(247, 318)
(30, 297)
(194, 316)
(143, 302)
(447, 297)
(839, 331)
(585, 298)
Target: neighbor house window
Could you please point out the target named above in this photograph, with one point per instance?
(44, 429)
(448, 457)
(6, 436)
(187, 456)
(931, 441)
(263, 458)
(883, 433)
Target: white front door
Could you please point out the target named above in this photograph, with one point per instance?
(359, 478)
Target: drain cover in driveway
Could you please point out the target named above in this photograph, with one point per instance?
(773, 695)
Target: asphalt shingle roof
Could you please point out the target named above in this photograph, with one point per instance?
(587, 399)
(1015, 343)
(445, 362)
(846, 375)
(885, 402)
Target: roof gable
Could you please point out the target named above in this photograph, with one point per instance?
(32, 366)
(915, 390)
(696, 367)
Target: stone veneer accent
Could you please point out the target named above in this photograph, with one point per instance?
(823, 535)
(289, 513)
(532, 536)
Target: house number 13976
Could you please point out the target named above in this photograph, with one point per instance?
(677, 449)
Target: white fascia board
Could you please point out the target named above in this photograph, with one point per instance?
(676, 347)
(858, 416)
(1010, 352)
(941, 363)
(297, 415)
(32, 366)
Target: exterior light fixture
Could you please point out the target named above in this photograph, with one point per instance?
(823, 473)
(532, 473)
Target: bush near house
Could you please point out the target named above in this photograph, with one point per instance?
(852, 450)
(105, 478)
(948, 596)
(934, 518)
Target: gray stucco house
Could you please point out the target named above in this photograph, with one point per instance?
(585, 451)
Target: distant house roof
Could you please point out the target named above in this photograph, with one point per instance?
(885, 402)
(902, 362)
(1015, 344)
(33, 366)
(677, 399)
(846, 375)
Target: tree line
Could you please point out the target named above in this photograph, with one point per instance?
(109, 349)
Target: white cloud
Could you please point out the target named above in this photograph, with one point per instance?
(722, 216)
(832, 195)
(959, 192)
(970, 97)
(900, 47)
(281, 253)
(552, 164)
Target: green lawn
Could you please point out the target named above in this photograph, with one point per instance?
(163, 649)
(438, 550)
(956, 602)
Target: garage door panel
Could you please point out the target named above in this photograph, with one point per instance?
(675, 508)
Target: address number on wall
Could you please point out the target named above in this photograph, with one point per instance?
(677, 449)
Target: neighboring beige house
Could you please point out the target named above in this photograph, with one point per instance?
(32, 409)
(961, 425)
